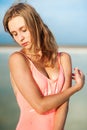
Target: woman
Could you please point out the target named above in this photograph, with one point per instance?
(40, 75)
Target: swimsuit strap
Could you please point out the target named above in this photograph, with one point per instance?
(26, 57)
(23, 54)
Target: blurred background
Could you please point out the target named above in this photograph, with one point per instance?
(67, 19)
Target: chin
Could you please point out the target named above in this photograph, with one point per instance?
(27, 47)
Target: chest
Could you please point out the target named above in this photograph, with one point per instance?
(48, 72)
(46, 84)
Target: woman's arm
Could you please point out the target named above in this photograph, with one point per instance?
(22, 76)
(61, 112)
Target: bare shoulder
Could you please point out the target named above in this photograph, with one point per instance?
(18, 60)
(16, 57)
(66, 62)
(65, 57)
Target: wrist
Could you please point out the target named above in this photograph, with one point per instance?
(77, 87)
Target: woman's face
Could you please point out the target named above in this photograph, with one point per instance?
(20, 31)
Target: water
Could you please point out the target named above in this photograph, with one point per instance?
(77, 117)
(9, 112)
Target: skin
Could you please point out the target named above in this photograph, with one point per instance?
(32, 94)
(20, 32)
(62, 111)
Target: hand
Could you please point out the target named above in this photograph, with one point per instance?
(79, 78)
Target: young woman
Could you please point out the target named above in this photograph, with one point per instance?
(40, 75)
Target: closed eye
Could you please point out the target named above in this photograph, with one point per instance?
(24, 30)
(14, 34)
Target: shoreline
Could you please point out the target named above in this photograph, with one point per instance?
(69, 49)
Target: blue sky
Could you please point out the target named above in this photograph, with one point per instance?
(67, 19)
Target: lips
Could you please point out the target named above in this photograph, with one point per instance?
(24, 44)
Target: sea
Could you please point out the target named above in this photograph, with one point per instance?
(9, 111)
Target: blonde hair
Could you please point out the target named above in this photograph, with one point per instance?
(41, 37)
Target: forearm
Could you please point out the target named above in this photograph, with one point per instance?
(43, 104)
(55, 101)
(60, 117)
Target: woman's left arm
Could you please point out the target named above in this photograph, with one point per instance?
(61, 112)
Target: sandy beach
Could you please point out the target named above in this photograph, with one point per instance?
(69, 49)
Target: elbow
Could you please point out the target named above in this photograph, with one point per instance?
(41, 108)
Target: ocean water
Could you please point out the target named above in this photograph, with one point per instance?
(9, 111)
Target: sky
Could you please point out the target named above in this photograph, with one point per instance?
(67, 19)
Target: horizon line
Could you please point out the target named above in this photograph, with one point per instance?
(69, 49)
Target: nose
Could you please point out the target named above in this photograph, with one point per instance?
(20, 37)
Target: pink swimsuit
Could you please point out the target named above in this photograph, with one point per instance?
(29, 118)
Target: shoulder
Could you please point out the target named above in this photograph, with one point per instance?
(64, 56)
(66, 62)
(15, 55)
(17, 58)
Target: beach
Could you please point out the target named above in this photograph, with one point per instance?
(69, 49)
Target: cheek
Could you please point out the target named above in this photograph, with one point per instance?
(16, 40)
(28, 36)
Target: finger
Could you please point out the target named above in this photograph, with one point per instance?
(73, 78)
(77, 71)
(73, 74)
(82, 75)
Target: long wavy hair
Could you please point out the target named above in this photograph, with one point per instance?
(41, 37)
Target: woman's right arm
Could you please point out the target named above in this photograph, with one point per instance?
(26, 84)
